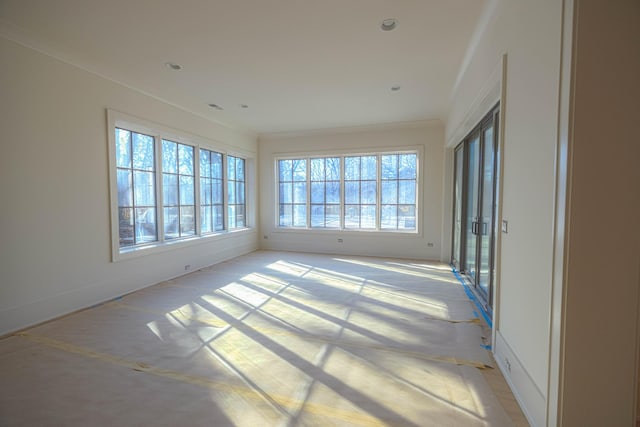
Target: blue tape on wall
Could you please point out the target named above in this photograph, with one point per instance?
(473, 298)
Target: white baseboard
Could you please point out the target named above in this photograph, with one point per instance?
(529, 396)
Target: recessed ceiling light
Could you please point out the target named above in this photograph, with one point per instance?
(244, 106)
(388, 24)
(173, 66)
(216, 106)
(395, 88)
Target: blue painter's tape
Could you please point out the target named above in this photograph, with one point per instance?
(486, 347)
(473, 298)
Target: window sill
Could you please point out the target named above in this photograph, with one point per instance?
(160, 247)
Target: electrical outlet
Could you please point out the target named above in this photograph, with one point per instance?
(430, 244)
(339, 240)
(505, 226)
(265, 237)
(187, 267)
(506, 362)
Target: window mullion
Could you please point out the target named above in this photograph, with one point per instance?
(378, 191)
(159, 188)
(196, 189)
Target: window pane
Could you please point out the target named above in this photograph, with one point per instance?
(317, 169)
(187, 221)
(205, 163)
(317, 215)
(352, 216)
(231, 214)
(123, 148)
(286, 215)
(240, 169)
(218, 217)
(217, 192)
(407, 192)
(231, 167)
(187, 190)
(145, 225)
(389, 217)
(369, 167)
(407, 217)
(231, 190)
(240, 192)
(206, 219)
(286, 191)
(369, 192)
(407, 165)
(368, 217)
(169, 156)
(300, 192)
(144, 188)
(240, 218)
(389, 192)
(317, 192)
(170, 189)
(352, 192)
(143, 157)
(299, 170)
(332, 168)
(285, 168)
(125, 190)
(216, 165)
(351, 168)
(206, 191)
(299, 215)
(389, 166)
(185, 156)
(125, 221)
(171, 223)
(332, 213)
(333, 192)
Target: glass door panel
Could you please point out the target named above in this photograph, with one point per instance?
(458, 185)
(485, 224)
(472, 199)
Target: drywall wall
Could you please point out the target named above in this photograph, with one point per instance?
(428, 137)
(54, 226)
(602, 253)
(529, 34)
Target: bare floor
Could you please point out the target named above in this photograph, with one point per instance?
(267, 339)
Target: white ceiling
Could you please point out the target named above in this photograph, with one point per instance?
(297, 64)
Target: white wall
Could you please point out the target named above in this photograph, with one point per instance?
(54, 225)
(426, 136)
(529, 33)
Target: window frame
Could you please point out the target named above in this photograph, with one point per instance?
(342, 154)
(159, 132)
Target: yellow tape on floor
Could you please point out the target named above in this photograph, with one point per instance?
(325, 340)
(247, 392)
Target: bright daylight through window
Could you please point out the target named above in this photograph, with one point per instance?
(168, 190)
(363, 192)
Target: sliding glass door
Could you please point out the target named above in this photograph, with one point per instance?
(474, 207)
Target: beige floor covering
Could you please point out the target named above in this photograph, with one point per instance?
(267, 339)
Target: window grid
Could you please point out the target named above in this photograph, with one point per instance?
(375, 192)
(178, 190)
(293, 185)
(135, 176)
(211, 191)
(326, 192)
(236, 206)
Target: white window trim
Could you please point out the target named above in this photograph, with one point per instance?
(342, 153)
(159, 132)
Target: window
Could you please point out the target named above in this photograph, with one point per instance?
(236, 190)
(166, 188)
(293, 193)
(136, 177)
(352, 192)
(211, 191)
(325, 192)
(398, 193)
(178, 186)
